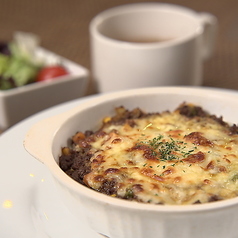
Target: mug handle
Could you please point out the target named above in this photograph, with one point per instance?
(210, 25)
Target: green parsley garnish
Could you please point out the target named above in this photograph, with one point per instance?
(166, 150)
(129, 194)
(235, 178)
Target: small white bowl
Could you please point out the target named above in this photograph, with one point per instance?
(19, 103)
(117, 218)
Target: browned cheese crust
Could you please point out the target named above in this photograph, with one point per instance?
(186, 156)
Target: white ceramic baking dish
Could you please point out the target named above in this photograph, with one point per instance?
(117, 218)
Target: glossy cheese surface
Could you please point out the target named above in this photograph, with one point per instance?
(165, 158)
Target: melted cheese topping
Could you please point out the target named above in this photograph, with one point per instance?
(166, 159)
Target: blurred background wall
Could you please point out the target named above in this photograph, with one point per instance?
(63, 28)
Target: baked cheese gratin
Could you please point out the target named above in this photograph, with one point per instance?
(186, 156)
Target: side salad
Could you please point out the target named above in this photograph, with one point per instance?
(19, 64)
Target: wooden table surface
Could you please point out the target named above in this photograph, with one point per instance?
(63, 27)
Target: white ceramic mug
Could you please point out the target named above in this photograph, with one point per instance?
(150, 44)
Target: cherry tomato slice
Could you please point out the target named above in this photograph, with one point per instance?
(51, 72)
